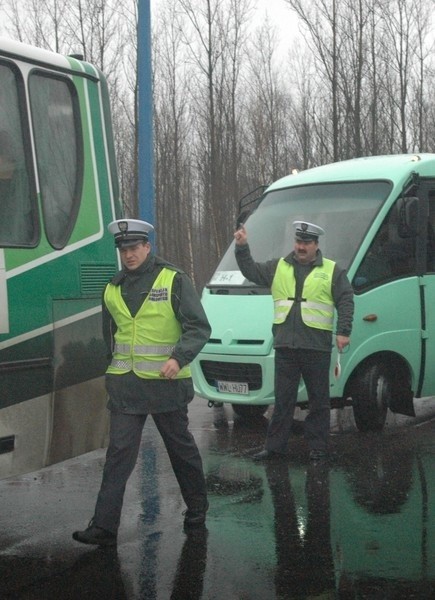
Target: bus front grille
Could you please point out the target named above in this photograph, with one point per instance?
(229, 371)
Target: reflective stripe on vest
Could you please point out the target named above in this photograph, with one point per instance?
(126, 349)
(142, 365)
(318, 284)
(144, 343)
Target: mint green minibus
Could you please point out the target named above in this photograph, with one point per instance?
(379, 217)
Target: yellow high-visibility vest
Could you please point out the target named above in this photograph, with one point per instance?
(144, 343)
(317, 306)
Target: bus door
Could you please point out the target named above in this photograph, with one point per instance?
(388, 319)
(427, 379)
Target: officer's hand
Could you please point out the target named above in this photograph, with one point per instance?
(170, 369)
(240, 236)
(342, 341)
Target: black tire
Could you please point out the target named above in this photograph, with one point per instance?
(371, 394)
(250, 411)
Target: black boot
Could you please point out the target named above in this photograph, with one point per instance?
(95, 535)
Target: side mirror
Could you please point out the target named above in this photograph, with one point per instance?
(407, 209)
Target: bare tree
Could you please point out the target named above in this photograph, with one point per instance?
(421, 80)
(172, 136)
(214, 40)
(321, 22)
(268, 135)
(302, 117)
(397, 39)
(42, 23)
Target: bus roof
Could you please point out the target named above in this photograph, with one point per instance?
(392, 167)
(38, 56)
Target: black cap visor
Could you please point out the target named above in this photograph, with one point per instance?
(129, 240)
(306, 237)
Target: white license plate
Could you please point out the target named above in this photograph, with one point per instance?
(233, 387)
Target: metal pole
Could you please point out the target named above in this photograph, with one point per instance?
(145, 127)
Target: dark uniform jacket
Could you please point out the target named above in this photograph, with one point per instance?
(293, 333)
(129, 393)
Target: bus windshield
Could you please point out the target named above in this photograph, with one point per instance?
(344, 210)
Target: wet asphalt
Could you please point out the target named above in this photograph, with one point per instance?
(361, 525)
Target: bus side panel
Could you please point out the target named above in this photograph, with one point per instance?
(25, 435)
(110, 211)
(80, 418)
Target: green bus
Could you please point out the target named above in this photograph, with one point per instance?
(58, 191)
(379, 218)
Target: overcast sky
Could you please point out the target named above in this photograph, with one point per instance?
(281, 17)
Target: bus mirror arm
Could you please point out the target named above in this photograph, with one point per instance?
(242, 218)
(252, 203)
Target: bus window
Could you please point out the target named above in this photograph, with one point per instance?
(390, 256)
(58, 145)
(18, 225)
(332, 206)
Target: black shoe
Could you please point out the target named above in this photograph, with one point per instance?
(269, 455)
(95, 535)
(194, 517)
(318, 455)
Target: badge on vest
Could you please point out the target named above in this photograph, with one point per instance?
(158, 295)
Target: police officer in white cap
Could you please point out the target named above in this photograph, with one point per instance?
(306, 288)
(154, 326)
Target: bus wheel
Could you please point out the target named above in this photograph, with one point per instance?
(250, 411)
(371, 393)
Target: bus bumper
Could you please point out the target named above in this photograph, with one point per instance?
(235, 379)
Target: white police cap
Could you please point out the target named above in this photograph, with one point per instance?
(129, 232)
(307, 231)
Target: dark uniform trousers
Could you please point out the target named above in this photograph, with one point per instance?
(290, 366)
(121, 456)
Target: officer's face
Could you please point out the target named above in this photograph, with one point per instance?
(305, 251)
(133, 256)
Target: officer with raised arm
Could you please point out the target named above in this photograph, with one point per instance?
(306, 288)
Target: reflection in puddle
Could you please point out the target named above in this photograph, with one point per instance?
(361, 526)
